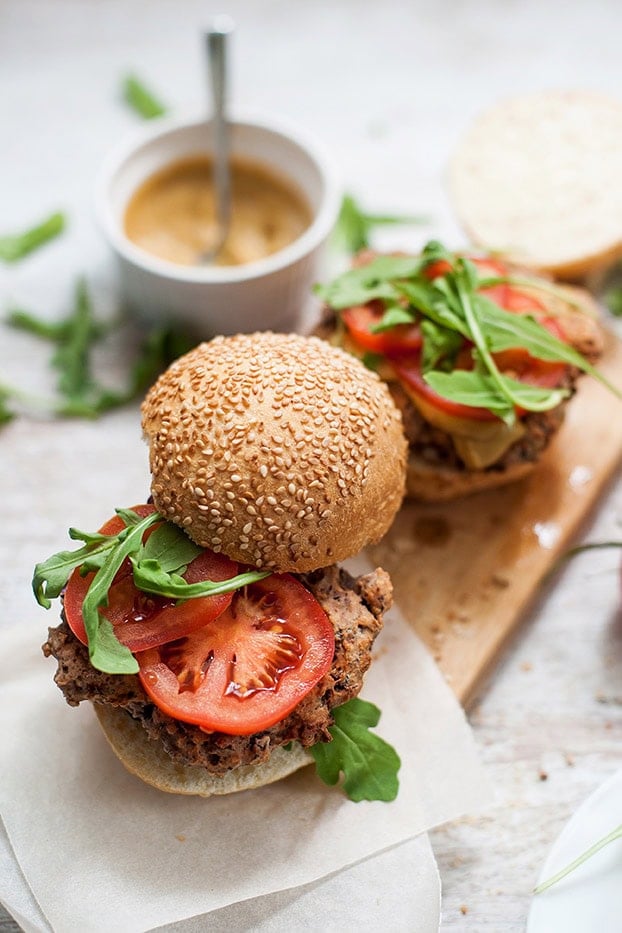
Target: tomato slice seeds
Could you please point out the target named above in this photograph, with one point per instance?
(249, 668)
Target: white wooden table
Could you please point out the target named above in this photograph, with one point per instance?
(389, 86)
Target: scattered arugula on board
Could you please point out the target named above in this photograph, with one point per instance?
(16, 246)
(354, 225)
(79, 394)
(368, 763)
(451, 309)
(141, 99)
(157, 566)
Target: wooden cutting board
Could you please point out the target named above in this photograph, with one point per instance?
(465, 572)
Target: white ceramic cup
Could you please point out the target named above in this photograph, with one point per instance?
(269, 294)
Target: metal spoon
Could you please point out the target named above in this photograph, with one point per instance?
(216, 38)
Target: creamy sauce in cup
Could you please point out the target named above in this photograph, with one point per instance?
(172, 215)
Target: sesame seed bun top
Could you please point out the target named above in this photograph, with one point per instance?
(280, 451)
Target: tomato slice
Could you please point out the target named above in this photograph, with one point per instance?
(140, 620)
(360, 321)
(248, 668)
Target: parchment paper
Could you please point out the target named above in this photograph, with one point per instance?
(102, 851)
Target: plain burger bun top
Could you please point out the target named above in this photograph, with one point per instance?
(281, 451)
(537, 178)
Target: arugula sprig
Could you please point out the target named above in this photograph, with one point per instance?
(164, 557)
(138, 96)
(74, 338)
(369, 764)
(16, 246)
(355, 225)
(451, 310)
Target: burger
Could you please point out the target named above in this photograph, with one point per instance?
(211, 627)
(480, 357)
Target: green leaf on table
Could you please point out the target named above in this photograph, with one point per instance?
(16, 246)
(74, 337)
(354, 225)
(6, 412)
(369, 764)
(365, 283)
(141, 99)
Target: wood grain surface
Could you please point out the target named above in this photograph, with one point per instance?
(465, 572)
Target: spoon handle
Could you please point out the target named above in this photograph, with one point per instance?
(217, 36)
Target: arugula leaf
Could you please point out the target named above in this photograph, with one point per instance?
(105, 652)
(394, 315)
(157, 563)
(19, 245)
(372, 360)
(450, 308)
(6, 412)
(440, 345)
(141, 99)
(354, 225)
(374, 280)
(481, 390)
(71, 358)
(170, 547)
(150, 577)
(368, 763)
(613, 300)
(591, 546)
(505, 331)
(23, 320)
(50, 576)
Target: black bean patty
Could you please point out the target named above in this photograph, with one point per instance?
(355, 608)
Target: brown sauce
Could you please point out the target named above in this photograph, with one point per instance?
(172, 215)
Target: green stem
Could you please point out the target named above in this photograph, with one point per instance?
(615, 834)
(480, 342)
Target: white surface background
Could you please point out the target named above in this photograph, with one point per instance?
(389, 85)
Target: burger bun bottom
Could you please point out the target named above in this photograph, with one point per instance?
(147, 760)
(438, 484)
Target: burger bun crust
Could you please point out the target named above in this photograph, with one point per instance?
(147, 760)
(428, 483)
(278, 450)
